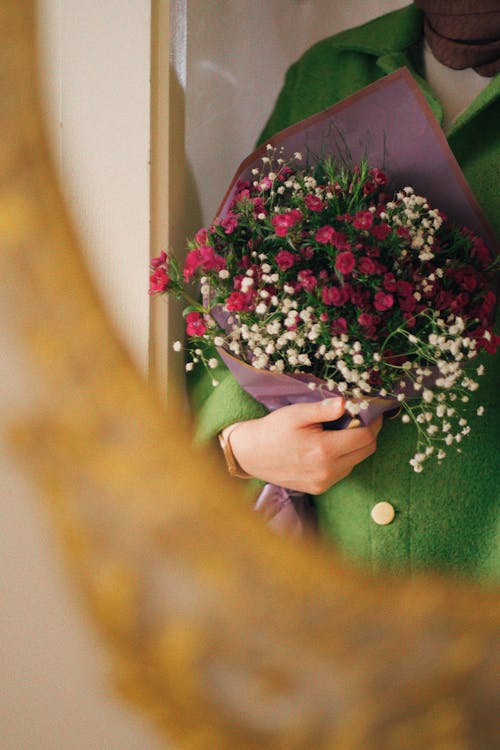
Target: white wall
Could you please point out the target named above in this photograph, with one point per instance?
(57, 692)
(95, 57)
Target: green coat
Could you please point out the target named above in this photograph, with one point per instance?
(446, 517)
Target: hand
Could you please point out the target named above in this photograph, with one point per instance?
(290, 448)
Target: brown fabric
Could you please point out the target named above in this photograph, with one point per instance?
(464, 33)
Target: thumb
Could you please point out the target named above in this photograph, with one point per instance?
(316, 412)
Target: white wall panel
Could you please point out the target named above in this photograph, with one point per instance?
(95, 59)
(57, 689)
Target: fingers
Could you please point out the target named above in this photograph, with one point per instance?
(316, 412)
(343, 442)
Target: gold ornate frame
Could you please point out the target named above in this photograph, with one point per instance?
(227, 635)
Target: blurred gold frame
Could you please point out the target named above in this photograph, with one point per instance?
(228, 636)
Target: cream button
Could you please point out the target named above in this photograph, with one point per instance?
(383, 513)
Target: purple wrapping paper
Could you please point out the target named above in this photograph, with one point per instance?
(390, 124)
(275, 390)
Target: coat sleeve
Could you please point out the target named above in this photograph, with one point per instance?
(216, 407)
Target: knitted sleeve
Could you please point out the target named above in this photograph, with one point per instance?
(217, 406)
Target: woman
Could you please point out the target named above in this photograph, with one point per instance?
(368, 499)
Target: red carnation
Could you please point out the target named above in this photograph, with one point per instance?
(366, 265)
(229, 223)
(196, 325)
(404, 288)
(380, 231)
(307, 280)
(404, 233)
(314, 203)
(383, 301)
(159, 260)
(379, 177)
(285, 259)
(363, 219)
(201, 236)
(340, 241)
(203, 258)
(345, 262)
(159, 281)
(324, 234)
(367, 320)
(480, 252)
(238, 302)
(335, 295)
(282, 223)
(339, 326)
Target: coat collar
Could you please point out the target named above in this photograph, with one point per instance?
(390, 38)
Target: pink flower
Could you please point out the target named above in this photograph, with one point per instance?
(367, 320)
(296, 215)
(489, 303)
(466, 278)
(265, 184)
(382, 301)
(324, 234)
(244, 195)
(363, 219)
(201, 236)
(238, 302)
(459, 303)
(282, 223)
(390, 282)
(480, 252)
(307, 280)
(380, 231)
(158, 281)
(285, 259)
(334, 295)
(229, 223)
(408, 304)
(489, 344)
(259, 207)
(379, 177)
(191, 264)
(159, 260)
(404, 233)
(196, 326)
(340, 241)
(339, 326)
(366, 265)
(345, 262)
(202, 258)
(360, 297)
(492, 345)
(314, 203)
(404, 288)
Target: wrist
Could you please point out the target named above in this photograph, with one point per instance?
(232, 463)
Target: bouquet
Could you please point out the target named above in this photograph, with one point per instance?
(321, 280)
